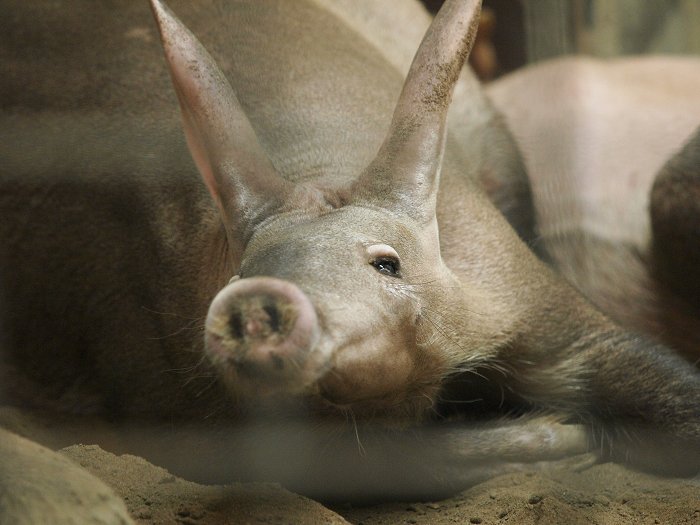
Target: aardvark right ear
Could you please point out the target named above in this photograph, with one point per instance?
(405, 173)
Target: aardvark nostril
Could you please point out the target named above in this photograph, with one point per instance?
(235, 324)
(274, 316)
(261, 316)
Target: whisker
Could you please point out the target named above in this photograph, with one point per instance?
(171, 314)
(462, 401)
(207, 386)
(360, 447)
(185, 327)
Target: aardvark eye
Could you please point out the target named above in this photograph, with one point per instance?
(387, 266)
(384, 259)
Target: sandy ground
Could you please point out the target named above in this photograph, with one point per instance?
(154, 496)
(566, 492)
(603, 494)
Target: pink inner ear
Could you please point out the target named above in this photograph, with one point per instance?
(199, 155)
(203, 165)
(195, 78)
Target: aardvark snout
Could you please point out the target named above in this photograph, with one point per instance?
(265, 329)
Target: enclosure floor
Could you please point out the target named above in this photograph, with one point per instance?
(602, 494)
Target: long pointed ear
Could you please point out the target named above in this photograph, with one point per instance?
(239, 175)
(405, 173)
